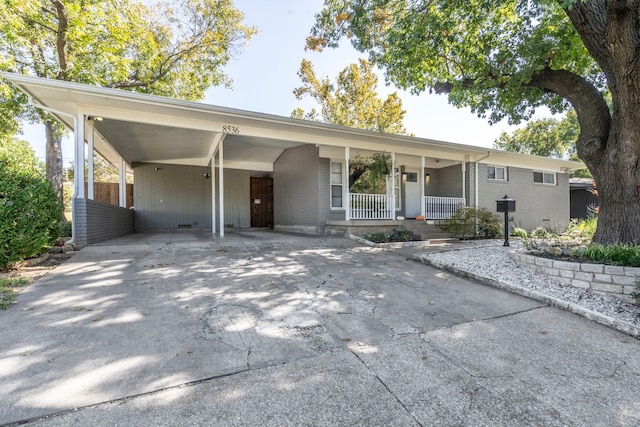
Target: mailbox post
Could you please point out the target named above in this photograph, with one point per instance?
(506, 205)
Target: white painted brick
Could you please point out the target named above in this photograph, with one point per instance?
(632, 271)
(580, 284)
(614, 269)
(603, 278)
(605, 287)
(592, 268)
(566, 265)
(544, 262)
(623, 280)
(583, 276)
(628, 290)
(549, 271)
(566, 273)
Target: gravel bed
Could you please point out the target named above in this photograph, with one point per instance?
(493, 262)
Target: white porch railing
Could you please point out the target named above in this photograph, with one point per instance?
(371, 206)
(441, 207)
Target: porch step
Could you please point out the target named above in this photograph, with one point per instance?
(430, 232)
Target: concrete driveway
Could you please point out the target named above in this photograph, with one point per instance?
(264, 328)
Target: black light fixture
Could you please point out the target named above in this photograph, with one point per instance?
(206, 175)
(94, 118)
(506, 205)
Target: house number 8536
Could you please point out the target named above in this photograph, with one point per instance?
(233, 130)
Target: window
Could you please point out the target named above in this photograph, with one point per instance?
(498, 173)
(336, 185)
(544, 178)
(396, 189)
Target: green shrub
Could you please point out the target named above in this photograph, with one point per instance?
(29, 209)
(400, 236)
(617, 254)
(396, 236)
(377, 238)
(541, 233)
(463, 223)
(585, 228)
(489, 224)
(520, 232)
(65, 229)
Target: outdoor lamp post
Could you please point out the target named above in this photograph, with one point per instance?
(506, 205)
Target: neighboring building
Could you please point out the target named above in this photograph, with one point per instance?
(583, 195)
(207, 167)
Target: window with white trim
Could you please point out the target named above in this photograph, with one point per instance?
(544, 178)
(396, 189)
(498, 173)
(336, 185)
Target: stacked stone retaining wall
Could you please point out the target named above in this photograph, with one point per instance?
(610, 280)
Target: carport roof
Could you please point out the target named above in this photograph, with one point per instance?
(145, 128)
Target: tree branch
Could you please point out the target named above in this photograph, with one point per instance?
(61, 38)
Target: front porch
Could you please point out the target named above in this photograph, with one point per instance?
(381, 207)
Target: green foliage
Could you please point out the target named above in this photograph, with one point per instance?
(8, 289)
(29, 210)
(520, 232)
(541, 233)
(585, 228)
(469, 222)
(397, 235)
(483, 54)
(173, 49)
(546, 137)
(636, 292)
(351, 101)
(616, 254)
(65, 229)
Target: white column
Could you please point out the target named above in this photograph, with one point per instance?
(78, 158)
(393, 186)
(213, 194)
(221, 181)
(422, 186)
(464, 176)
(122, 190)
(346, 198)
(90, 171)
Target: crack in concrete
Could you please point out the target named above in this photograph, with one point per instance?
(386, 387)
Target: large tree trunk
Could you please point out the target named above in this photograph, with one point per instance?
(54, 163)
(610, 31)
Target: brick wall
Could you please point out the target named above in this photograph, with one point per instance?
(96, 221)
(536, 204)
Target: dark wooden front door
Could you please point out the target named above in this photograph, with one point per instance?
(261, 202)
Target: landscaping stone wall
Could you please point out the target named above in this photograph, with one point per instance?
(611, 280)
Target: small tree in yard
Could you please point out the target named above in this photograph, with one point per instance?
(469, 222)
(29, 209)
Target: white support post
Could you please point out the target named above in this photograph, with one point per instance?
(78, 158)
(393, 186)
(422, 186)
(90, 168)
(221, 191)
(464, 179)
(346, 198)
(213, 194)
(122, 183)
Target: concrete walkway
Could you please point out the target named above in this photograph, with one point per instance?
(264, 328)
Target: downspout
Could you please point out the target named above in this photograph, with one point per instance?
(476, 170)
(75, 127)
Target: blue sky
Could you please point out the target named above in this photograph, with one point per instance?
(264, 76)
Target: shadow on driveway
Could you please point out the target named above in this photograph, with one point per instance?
(269, 328)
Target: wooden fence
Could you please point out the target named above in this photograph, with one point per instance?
(108, 192)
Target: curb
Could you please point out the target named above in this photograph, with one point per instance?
(595, 316)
